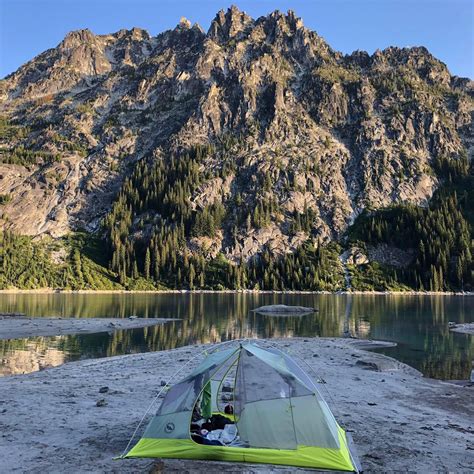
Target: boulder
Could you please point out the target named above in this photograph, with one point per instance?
(284, 310)
(356, 256)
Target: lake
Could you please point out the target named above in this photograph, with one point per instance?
(419, 324)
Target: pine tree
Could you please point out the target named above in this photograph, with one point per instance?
(77, 265)
(191, 276)
(147, 263)
(459, 270)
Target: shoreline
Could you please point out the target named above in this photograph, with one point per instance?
(399, 420)
(26, 327)
(252, 292)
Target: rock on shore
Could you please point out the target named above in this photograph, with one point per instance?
(284, 310)
(466, 328)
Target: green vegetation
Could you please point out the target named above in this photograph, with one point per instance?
(85, 108)
(333, 73)
(303, 221)
(5, 198)
(375, 277)
(13, 152)
(22, 156)
(406, 81)
(208, 221)
(83, 265)
(9, 131)
(65, 144)
(441, 234)
(314, 268)
(18, 154)
(27, 264)
(163, 186)
(149, 228)
(24, 264)
(152, 220)
(88, 255)
(155, 201)
(454, 170)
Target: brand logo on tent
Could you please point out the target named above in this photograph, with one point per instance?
(169, 427)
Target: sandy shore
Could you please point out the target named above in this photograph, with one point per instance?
(49, 421)
(20, 327)
(466, 328)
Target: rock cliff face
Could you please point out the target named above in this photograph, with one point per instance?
(331, 133)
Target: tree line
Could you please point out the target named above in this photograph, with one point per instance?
(153, 219)
(440, 234)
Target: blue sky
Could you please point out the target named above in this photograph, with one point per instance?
(445, 27)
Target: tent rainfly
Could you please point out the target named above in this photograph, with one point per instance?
(274, 410)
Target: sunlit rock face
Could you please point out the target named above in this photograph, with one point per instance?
(334, 133)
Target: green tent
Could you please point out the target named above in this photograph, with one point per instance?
(280, 416)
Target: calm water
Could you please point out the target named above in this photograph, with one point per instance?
(419, 324)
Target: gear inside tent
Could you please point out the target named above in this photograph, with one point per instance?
(248, 403)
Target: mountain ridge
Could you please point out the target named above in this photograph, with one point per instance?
(274, 139)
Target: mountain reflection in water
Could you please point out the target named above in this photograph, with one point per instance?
(419, 324)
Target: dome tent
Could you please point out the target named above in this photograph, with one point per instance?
(279, 414)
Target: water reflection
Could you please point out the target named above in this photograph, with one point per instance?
(417, 323)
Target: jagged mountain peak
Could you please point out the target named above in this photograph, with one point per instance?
(134, 33)
(77, 38)
(290, 17)
(184, 23)
(287, 120)
(227, 25)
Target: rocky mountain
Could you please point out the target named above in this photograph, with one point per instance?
(282, 140)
